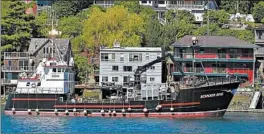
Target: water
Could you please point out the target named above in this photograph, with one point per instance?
(231, 122)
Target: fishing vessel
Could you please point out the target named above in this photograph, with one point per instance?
(50, 92)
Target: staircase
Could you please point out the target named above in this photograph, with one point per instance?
(162, 21)
(255, 100)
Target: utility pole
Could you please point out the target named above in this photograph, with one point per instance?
(208, 20)
(237, 6)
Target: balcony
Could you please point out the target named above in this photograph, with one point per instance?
(185, 6)
(8, 82)
(18, 68)
(217, 71)
(82, 85)
(16, 55)
(260, 52)
(227, 57)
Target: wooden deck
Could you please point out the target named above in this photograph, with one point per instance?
(87, 86)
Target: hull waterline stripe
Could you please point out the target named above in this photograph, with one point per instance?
(34, 99)
(98, 106)
(181, 104)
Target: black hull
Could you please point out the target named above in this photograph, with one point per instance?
(202, 99)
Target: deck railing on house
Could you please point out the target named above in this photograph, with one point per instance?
(8, 82)
(217, 70)
(18, 68)
(185, 6)
(260, 51)
(16, 55)
(216, 55)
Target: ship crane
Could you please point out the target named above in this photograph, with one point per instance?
(144, 68)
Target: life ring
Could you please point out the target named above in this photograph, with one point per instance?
(33, 85)
(79, 99)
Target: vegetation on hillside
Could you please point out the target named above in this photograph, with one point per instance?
(90, 27)
(17, 26)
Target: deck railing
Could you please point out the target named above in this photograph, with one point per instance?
(185, 6)
(216, 55)
(260, 51)
(217, 70)
(16, 55)
(18, 68)
(8, 82)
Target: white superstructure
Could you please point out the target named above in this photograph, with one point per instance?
(51, 77)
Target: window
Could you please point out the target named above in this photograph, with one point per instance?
(114, 68)
(125, 79)
(152, 67)
(135, 57)
(39, 84)
(104, 57)
(143, 1)
(152, 79)
(147, 56)
(107, 56)
(53, 64)
(54, 70)
(67, 70)
(104, 78)
(127, 68)
(121, 57)
(161, 2)
(246, 51)
(202, 50)
(114, 79)
(113, 56)
(44, 50)
(20, 63)
(59, 70)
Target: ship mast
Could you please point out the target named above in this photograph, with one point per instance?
(53, 21)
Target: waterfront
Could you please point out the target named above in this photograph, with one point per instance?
(231, 122)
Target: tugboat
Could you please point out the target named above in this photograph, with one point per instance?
(49, 92)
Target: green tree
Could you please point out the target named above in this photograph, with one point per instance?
(17, 26)
(152, 35)
(213, 29)
(117, 23)
(219, 16)
(147, 13)
(258, 11)
(170, 15)
(70, 26)
(234, 6)
(82, 68)
(41, 22)
(64, 8)
(175, 30)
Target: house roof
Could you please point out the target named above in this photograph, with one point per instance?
(133, 49)
(214, 41)
(37, 43)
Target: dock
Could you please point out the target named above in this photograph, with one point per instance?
(248, 110)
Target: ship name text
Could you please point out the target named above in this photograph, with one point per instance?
(211, 95)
